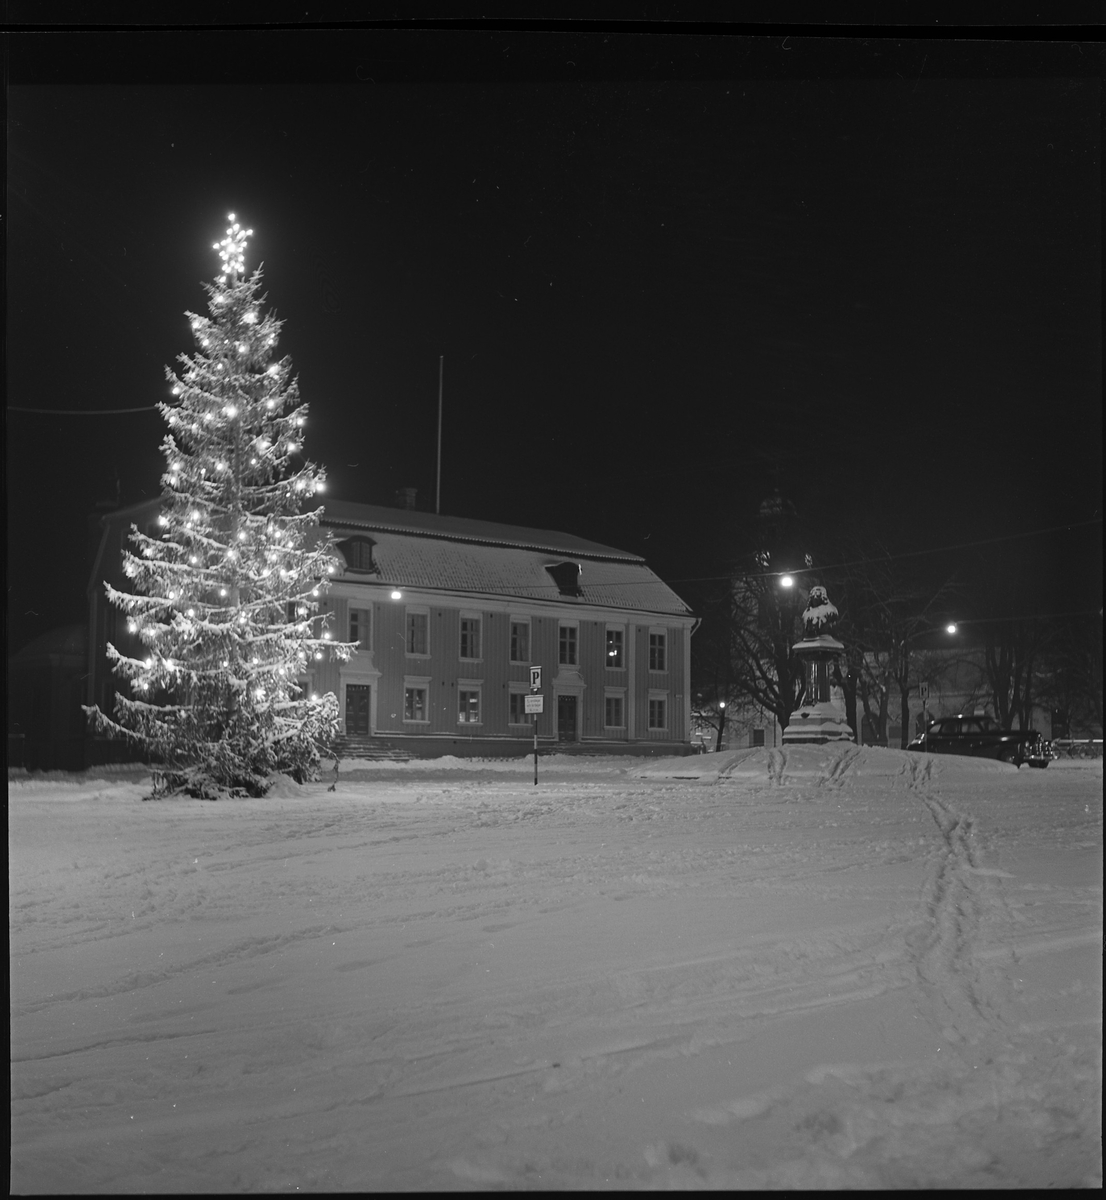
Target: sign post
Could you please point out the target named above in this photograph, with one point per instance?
(535, 704)
(923, 690)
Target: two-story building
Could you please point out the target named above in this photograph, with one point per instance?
(451, 614)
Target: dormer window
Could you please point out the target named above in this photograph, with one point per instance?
(358, 553)
(566, 576)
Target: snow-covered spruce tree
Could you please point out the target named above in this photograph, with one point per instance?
(226, 599)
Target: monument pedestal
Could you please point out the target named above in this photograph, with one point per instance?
(821, 715)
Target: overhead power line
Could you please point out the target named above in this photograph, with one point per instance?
(858, 562)
(80, 412)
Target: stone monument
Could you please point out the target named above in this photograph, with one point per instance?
(821, 715)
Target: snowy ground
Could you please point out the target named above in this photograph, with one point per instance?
(821, 967)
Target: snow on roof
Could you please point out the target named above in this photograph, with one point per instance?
(422, 550)
(347, 514)
(460, 554)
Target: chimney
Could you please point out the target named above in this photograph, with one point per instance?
(405, 497)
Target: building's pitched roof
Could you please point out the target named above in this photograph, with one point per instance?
(411, 522)
(459, 554)
(70, 640)
(422, 550)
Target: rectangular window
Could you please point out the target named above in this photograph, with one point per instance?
(414, 704)
(658, 712)
(615, 660)
(758, 737)
(520, 641)
(468, 706)
(612, 712)
(418, 626)
(567, 650)
(470, 637)
(360, 626)
(657, 647)
(519, 715)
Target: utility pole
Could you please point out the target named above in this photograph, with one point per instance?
(438, 490)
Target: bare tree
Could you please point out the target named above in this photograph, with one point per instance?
(1065, 674)
(887, 612)
(742, 651)
(1012, 654)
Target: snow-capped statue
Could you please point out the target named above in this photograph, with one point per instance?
(820, 615)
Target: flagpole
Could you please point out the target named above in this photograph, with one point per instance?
(438, 491)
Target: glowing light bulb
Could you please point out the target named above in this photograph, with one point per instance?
(250, 318)
(222, 592)
(230, 410)
(397, 594)
(320, 486)
(163, 519)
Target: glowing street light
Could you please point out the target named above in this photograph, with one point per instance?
(950, 627)
(397, 594)
(786, 581)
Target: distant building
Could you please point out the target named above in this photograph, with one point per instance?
(445, 667)
(46, 685)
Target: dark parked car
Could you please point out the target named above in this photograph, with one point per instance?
(984, 737)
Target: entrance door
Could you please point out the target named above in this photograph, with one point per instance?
(566, 718)
(357, 708)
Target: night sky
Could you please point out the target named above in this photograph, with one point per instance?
(667, 274)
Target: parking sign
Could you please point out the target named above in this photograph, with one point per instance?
(535, 678)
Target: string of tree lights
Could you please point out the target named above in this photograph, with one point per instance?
(226, 599)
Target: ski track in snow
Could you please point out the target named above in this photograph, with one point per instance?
(804, 967)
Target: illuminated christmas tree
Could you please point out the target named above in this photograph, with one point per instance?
(226, 600)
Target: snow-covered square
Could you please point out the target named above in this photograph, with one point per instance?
(823, 966)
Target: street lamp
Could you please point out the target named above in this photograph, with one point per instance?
(786, 581)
